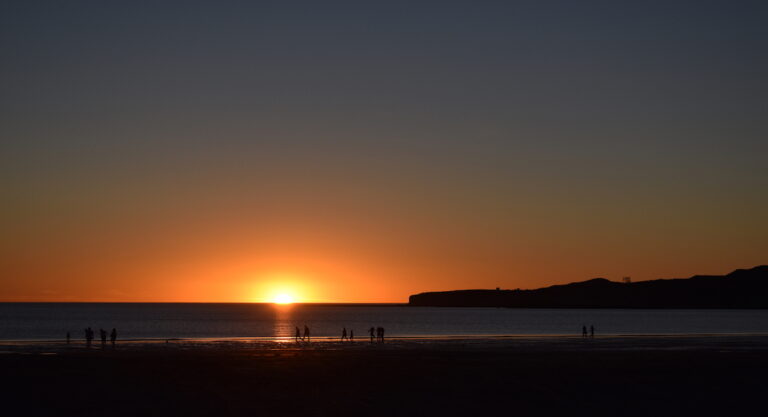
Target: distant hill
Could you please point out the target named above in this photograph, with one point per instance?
(742, 288)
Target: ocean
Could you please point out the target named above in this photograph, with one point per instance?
(51, 321)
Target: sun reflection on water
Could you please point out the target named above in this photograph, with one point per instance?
(283, 326)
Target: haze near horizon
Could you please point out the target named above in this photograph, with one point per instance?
(367, 151)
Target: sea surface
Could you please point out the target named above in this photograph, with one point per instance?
(51, 321)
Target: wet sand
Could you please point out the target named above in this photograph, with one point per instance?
(632, 376)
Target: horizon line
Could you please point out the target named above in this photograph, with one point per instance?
(202, 302)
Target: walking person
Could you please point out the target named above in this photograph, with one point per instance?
(584, 331)
(591, 331)
(298, 335)
(88, 336)
(351, 335)
(370, 331)
(113, 336)
(344, 334)
(103, 335)
(306, 333)
(382, 335)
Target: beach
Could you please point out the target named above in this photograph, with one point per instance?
(611, 375)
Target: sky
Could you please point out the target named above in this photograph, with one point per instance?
(363, 151)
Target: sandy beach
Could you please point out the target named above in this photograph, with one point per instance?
(617, 375)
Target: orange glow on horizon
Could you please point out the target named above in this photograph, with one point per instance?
(314, 265)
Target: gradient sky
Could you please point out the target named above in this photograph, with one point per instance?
(364, 151)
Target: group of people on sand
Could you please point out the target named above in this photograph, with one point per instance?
(350, 337)
(102, 334)
(584, 331)
(379, 334)
(377, 331)
(299, 337)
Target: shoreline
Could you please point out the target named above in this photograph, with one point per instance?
(406, 337)
(666, 342)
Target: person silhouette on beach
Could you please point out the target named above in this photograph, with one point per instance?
(351, 335)
(68, 337)
(298, 335)
(382, 335)
(103, 335)
(591, 331)
(583, 331)
(88, 336)
(113, 336)
(344, 334)
(370, 331)
(306, 333)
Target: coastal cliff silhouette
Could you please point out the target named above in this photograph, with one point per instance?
(742, 288)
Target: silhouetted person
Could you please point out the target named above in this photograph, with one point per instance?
(103, 335)
(351, 335)
(583, 331)
(382, 335)
(88, 336)
(591, 331)
(298, 335)
(68, 337)
(306, 333)
(370, 331)
(344, 334)
(113, 336)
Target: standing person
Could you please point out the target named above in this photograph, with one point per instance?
(306, 333)
(113, 336)
(68, 337)
(591, 330)
(584, 331)
(298, 335)
(344, 334)
(103, 335)
(382, 335)
(370, 331)
(88, 336)
(351, 335)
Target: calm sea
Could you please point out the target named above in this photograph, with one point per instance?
(44, 321)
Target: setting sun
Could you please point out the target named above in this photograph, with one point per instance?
(283, 299)
(281, 288)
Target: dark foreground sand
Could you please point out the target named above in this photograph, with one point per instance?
(616, 376)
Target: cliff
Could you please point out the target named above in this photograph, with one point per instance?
(742, 288)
